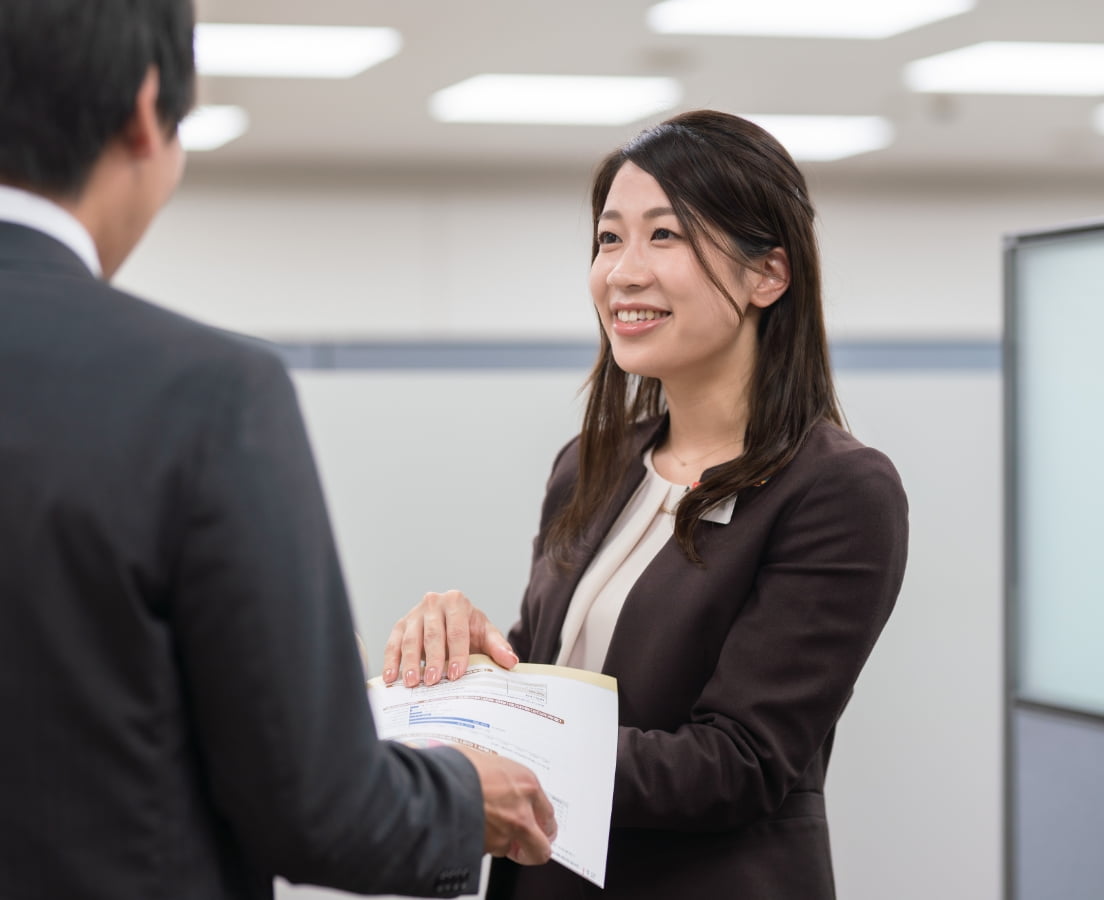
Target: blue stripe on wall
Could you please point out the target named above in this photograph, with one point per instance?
(921, 355)
(847, 356)
(440, 355)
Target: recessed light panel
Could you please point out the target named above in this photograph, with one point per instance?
(291, 51)
(1008, 67)
(801, 18)
(554, 99)
(209, 127)
(826, 138)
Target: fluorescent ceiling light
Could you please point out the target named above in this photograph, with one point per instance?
(825, 138)
(996, 67)
(554, 99)
(291, 51)
(801, 18)
(209, 127)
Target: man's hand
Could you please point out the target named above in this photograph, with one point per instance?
(519, 820)
(442, 627)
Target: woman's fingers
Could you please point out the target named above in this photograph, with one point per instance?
(435, 639)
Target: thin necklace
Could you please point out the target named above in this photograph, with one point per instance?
(690, 462)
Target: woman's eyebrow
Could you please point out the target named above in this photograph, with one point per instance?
(655, 212)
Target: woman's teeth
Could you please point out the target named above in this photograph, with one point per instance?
(639, 315)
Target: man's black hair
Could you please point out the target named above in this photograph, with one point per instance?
(69, 74)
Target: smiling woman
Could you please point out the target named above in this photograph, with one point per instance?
(736, 628)
(666, 315)
(705, 217)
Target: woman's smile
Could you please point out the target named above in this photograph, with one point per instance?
(630, 321)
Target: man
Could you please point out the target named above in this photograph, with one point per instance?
(182, 708)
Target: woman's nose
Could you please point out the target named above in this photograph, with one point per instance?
(632, 269)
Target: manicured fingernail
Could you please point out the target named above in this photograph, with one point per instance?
(431, 675)
(454, 671)
(388, 675)
(411, 677)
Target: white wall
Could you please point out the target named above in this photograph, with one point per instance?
(505, 256)
(386, 258)
(915, 786)
(914, 791)
(456, 461)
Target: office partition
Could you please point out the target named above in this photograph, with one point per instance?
(1054, 592)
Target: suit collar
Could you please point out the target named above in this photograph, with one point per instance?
(31, 210)
(645, 434)
(648, 433)
(546, 645)
(25, 249)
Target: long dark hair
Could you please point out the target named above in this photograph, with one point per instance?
(723, 176)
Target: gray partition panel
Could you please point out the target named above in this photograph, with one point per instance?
(1059, 787)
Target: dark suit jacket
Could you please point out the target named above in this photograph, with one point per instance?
(182, 708)
(731, 676)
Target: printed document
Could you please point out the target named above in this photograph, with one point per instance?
(560, 722)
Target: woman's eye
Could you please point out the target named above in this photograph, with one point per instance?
(607, 237)
(663, 234)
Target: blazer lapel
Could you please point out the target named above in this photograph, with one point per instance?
(546, 643)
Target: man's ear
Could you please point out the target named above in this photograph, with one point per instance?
(772, 279)
(143, 131)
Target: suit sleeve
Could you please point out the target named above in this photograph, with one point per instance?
(269, 661)
(829, 576)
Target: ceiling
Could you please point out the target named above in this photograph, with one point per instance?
(379, 120)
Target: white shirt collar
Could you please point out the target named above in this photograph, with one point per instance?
(721, 514)
(33, 211)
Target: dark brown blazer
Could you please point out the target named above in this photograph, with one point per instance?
(182, 706)
(731, 676)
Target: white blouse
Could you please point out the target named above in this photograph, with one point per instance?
(646, 523)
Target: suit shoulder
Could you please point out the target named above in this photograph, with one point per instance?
(179, 339)
(831, 453)
(830, 446)
(640, 435)
(566, 461)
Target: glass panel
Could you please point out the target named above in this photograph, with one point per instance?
(1059, 442)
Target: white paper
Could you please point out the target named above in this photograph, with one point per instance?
(560, 722)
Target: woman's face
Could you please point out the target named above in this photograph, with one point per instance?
(663, 315)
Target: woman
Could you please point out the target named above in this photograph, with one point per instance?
(714, 538)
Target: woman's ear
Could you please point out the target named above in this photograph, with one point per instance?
(772, 279)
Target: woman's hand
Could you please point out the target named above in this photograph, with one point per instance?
(443, 626)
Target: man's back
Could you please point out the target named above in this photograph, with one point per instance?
(168, 585)
(182, 705)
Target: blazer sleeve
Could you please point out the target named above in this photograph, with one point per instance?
(828, 577)
(271, 672)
